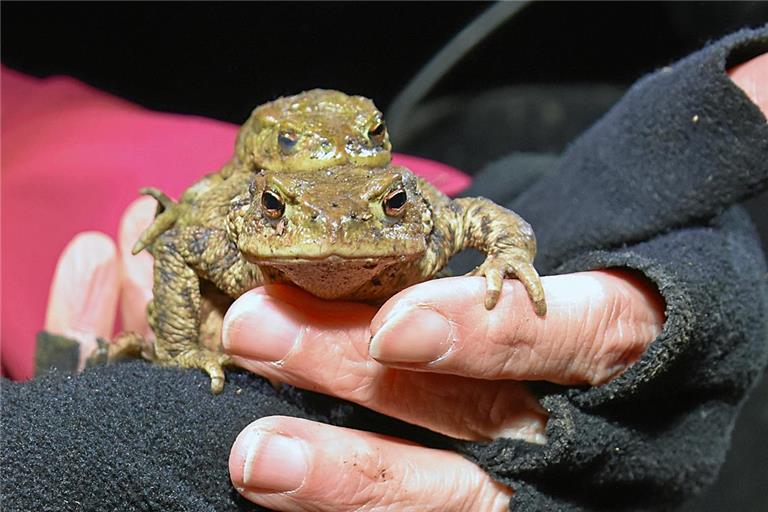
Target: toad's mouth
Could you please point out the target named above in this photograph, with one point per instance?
(338, 277)
(329, 259)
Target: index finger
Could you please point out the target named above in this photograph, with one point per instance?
(285, 334)
(598, 323)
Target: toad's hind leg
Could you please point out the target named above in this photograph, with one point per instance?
(129, 345)
(168, 211)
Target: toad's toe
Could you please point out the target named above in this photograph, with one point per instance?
(210, 362)
(496, 268)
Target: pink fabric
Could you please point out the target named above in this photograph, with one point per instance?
(72, 159)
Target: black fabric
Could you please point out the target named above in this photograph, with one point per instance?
(135, 437)
(682, 145)
(651, 187)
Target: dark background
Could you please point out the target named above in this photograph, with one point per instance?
(554, 68)
(222, 59)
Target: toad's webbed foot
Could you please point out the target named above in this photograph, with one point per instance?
(210, 362)
(496, 267)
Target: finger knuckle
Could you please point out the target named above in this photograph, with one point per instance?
(365, 485)
(619, 340)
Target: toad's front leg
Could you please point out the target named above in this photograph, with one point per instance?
(508, 242)
(174, 312)
(181, 256)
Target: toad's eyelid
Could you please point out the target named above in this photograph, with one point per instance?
(374, 122)
(287, 128)
(275, 184)
(379, 188)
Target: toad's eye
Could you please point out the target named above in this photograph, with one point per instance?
(287, 142)
(394, 202)
(377, 133)
(272, 204)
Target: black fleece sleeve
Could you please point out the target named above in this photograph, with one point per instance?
(137, 437)
(650, 187)
(659, 432)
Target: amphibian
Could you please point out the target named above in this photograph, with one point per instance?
(309, 131)
(341, 224)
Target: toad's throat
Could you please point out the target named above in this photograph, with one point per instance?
(341, 277)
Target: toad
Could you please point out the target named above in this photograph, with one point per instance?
(310, 198)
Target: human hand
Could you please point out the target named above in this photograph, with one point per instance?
(438, 359)
(95, 279)
(291, 464)
(598, 323)
(337, 468)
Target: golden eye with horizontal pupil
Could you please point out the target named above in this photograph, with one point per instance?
(377, 133)
(287, 142)
(272, 205)
(394, 202)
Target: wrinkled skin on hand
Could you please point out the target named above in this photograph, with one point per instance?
(311, 199)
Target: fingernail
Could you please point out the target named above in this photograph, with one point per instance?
(414, 336)
(272, 462)
(261, 327)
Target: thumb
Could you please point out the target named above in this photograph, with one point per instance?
(752, 78)
(293, 464)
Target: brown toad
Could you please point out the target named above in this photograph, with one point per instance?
(313, 130)
(354, 228)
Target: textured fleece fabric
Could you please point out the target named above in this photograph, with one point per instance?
(652, 186)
